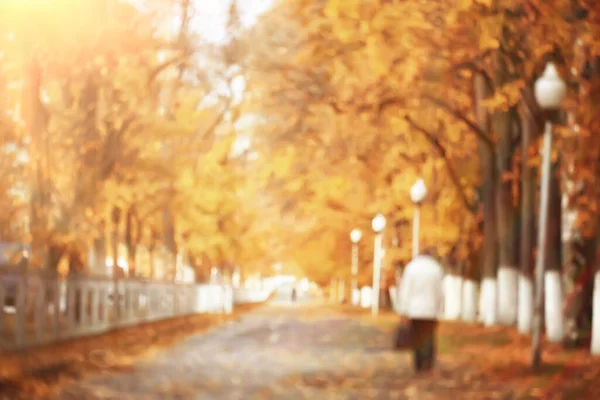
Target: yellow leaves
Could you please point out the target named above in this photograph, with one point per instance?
(410, 71)
(334, 187)
(186, 179)
(463, 10)
(281, 163)
(379, 56)
(351, 8)
(505, 96)
(485, 3)
(489, 32)
(461, 6)
(358, 159)
(333, 8)
(294, 185)
(464, 4)
(401, 185)
(488, 42)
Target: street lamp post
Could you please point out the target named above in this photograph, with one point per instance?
(355, 237)
(418, 191)
(378, 225)
(550, 90)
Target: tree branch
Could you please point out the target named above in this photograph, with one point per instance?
(471, 65)
(461, 117)
(471, 205)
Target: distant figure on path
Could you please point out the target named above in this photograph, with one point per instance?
(294, 295)
(421, 302)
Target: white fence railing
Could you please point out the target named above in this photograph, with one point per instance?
(37, 309)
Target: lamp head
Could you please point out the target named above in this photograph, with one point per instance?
(355, 235)
(378, 223)
(550, 89)
(418, 191)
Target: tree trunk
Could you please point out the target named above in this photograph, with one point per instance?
(175, 264)
(552, 279)
(490, 250)
(116, 216)
(99, 246)
(169, 243)
(89, 156)
(152, 262)
(593, 263)
(453, 284)
(504, 123)
(572, 270)
(507, 218)
(76, 264)
(528, 185)
(131, 239)
(55, 253)
(115, 252)
(469, 288)
(154, 240)
(33, 116)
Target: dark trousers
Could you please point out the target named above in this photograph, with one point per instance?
(423, 333)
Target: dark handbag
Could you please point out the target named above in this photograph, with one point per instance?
(403, 337)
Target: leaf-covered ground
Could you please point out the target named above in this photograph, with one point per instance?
(293, 352)
(39, 372)
(309, 352)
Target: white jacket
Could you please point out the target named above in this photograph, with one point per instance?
(421, 289)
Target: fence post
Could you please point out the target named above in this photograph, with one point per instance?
(149, 301)
(20, 311)
(2, 305)
(71, 303)
(41, 314)
(223, 299)
(40, 307)
(84, 292)
(229, 300)
(135, 301)
(56, 294)
(103, 294)
(175, 301)
(126, 301)
(94, 307)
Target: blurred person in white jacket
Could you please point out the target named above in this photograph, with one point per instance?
(421, 302)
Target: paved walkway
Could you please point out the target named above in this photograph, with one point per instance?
(283, 352)
(278, 352)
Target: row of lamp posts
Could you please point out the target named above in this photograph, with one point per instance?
(550, 90)
(417, 194)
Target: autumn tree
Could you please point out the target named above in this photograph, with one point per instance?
(139, 112)
(335, 122)
(345, 83)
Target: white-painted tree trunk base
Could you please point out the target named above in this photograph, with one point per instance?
(525, 318)
(488, 302)
(508, 291)
(393, 291)
(356, 297)
(595, 345)
(341, 291)
(452, 296)
(469, 301)
(365, 296)
(555, 329)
